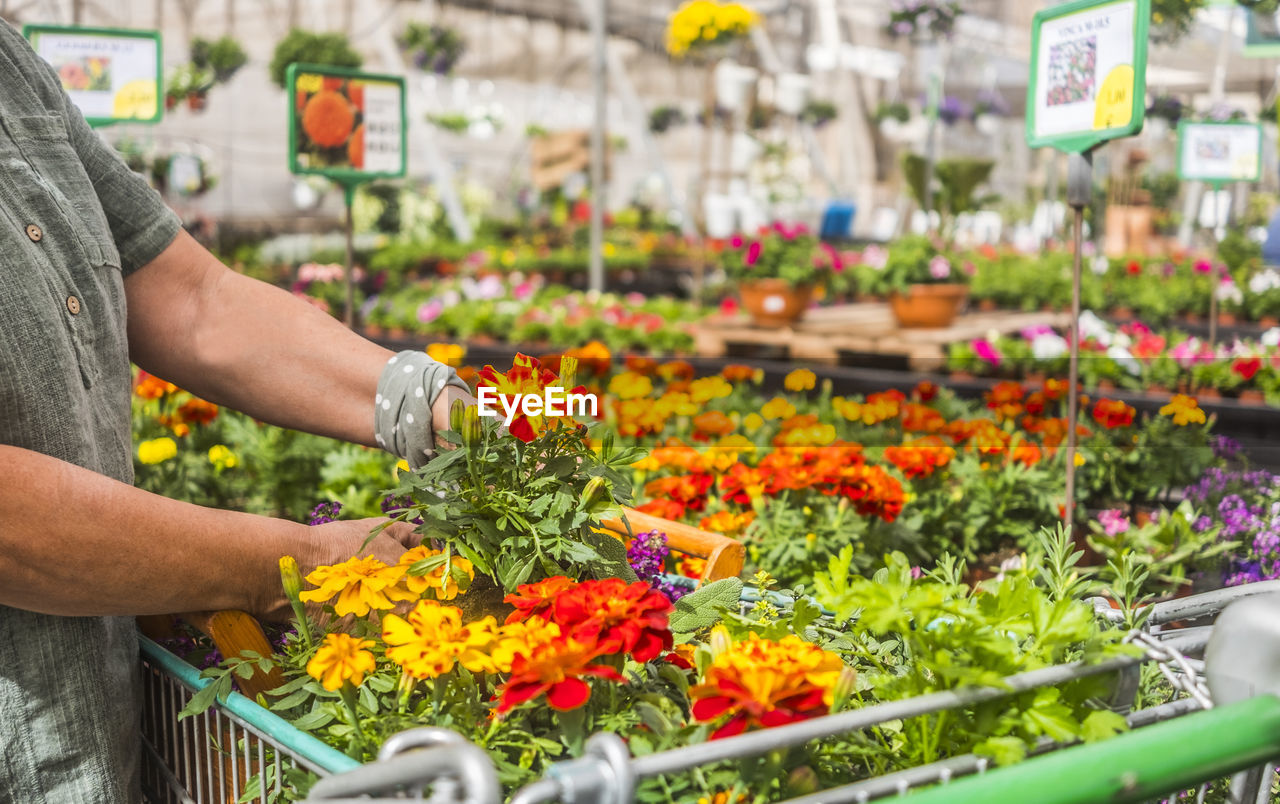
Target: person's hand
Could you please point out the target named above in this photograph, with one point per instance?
(338, 541)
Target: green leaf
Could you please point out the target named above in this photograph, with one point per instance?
(1102, 724)
(703, 608)
(1003, 750)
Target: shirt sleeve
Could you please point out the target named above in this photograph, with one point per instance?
(141, 224)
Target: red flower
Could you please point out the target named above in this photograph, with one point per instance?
(533, 599)
(664, 508)
(616, 616)
(1246, 367)
(556, 669)
(920, 458)
(527, 377)
(1134, 268)
(925, 391)
(1112, 413)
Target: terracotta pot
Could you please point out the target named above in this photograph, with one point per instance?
(1208, 393)
(1191, 318)
(962, 376)
(1252, 396)
(1268, 321)
(373, 330)
(396, 333)
(1122, 313)
(1157, 390)
(928, 306)
(775, 302)
(196, 101)
(987, 305)
(1034, 378)
(1227, 319)
(1106, 385)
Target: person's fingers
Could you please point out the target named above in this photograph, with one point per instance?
(405, 533)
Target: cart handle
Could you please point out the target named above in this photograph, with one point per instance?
(234, 632)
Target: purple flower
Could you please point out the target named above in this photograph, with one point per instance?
(324, 512)
(648, 557)
(394, 505)
(1224, 448)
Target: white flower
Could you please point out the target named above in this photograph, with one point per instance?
(1099, 265)
(1229, 291)
(1264, 281)
(875, 257)
(1093, 327)
(1049, 346)
(1126, 360)
(1271, 338)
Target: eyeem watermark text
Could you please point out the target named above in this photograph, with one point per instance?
(554, 401)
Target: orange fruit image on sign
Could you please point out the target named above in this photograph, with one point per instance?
(355, 148)
(328, 119)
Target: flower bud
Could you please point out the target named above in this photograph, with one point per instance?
(456, 411)
(472, 431)
(720, 640)
(594, 488)
(844, 687)
(291, 577)
(802, 781)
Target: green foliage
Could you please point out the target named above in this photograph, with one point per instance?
(781, 252)
(332, 49)
(918, 260)
(224, 56)
(518, 510)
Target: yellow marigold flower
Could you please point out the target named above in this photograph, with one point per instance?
(433, 639)
(802, 379)
(450, 354)
(708, 388)
(222, 457)
(360, 584)
(1184, 410)
(630, 385)
(157, 450)
(437, 580)
(521, 639)
(1080, 459)
(401, 466)
(676, 403)
(341, 659)
(778, 408)
(753, 422)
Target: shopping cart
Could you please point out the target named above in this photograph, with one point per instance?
(238, 750)
(1186, 743)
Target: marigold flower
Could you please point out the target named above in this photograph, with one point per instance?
(664, 508)
(1005, 398)
(593, 358)
(440, 580)
(557, 669)
(641, 365)
(763, 683)
(521, 639)
(534, 599)
(526, 377)
(198, 411)
(615, 616)
(451, 354)
(341, 659)
(221, 456)
(778, 408)
(691, 566)
(702, 391)
(1112, 413)
(676, 370)
(727, 522)
(736, 372)
(801, 379)
(921, 457)
(1184, 410)
(432, 639)
(629, 385)
(917, 418)
(157, 450)
(149, 386)
(327, 119)
(713, 423)
(360, 584)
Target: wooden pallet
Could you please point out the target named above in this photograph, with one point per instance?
(861, 329)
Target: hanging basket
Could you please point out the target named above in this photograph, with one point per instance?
(928, 306)
(775, 302)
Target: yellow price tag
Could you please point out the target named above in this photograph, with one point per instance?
(136, 100)
(1114, 106)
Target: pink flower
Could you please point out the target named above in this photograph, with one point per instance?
(1203, 267)
(939, 267)
(753, 253)
(985, 350)
(430, 311)
(969, 268)
(729, 305)
(736, 241)
(1113, 522)
(917, 573)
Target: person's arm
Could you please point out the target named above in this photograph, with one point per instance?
(254, 347)
(76, 543)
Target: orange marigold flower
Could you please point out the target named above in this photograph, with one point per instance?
(921, 457)
(742, 484)
(763, 683)
(917, 418)
(593, 358)
(925, 391)
(642, 365)
(691, 566)
(1025, 453)
(149, 386)
(617, 616)
(801, 379)
(1055, 389)
(328, 118)
(341, 659)
(873, 491)
(556, 669)
(736, 372)
(689, 490)
(534, 599)
(706, 389)
(727, 523)
(664, 508)
(1112, 413)
(629, 385)
(713, 423)
(1005, 398)
(526, 377)
(676, 370)
(197, 411)
(355, 148)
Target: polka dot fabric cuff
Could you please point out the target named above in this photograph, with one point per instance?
(409, 386)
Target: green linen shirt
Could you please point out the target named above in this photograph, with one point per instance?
(74, 221)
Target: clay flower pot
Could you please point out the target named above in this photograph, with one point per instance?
(928, 306)
(775, 302)
(987, 305)
(1252, 396)
(1268, 321)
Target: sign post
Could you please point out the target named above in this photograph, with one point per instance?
(1218, 154)
(111, 74)
(1087, 86)
(349, 127)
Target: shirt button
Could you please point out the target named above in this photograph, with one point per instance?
(73, 305)
(34, 233)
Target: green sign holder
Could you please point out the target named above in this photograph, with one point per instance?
(1081, 44)
(1216, 179)
(1087, 86)
(72, 68)
(350, 127)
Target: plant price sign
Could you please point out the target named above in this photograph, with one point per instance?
(1088, 73)
(346, 125)
(1219, 152)
(112, 75)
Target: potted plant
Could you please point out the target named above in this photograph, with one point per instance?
(434, 48)
(818, 113)
(988, 110)
(891, 116)
(333, 49)
(926, 290)
(222, 57)
(777, 272)
(662, 118)
(924, 18)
